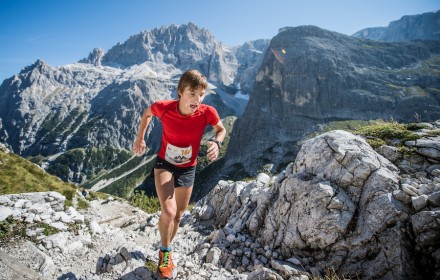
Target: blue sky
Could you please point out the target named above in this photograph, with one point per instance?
(65, 31)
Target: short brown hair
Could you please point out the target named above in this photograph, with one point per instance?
(192, 79)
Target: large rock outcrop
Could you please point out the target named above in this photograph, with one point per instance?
(310, 76)
(339, 207)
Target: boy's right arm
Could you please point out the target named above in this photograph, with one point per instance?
(139, 146)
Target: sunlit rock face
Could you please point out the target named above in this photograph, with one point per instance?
(340, 205)
(310, 76)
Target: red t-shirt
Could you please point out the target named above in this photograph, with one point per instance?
(181, 135)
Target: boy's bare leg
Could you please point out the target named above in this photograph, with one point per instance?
(182, 196)
(165, 192)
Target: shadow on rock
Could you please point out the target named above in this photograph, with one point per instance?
(67, 276)
(115, 263)
(140, 273)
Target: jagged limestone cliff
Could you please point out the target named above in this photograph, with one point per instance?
(310, 76)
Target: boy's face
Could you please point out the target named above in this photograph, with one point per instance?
(190, 100)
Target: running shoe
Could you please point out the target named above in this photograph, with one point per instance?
(165, 266)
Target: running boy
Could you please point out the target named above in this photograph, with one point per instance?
(183, 122)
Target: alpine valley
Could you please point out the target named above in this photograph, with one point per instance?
(79, 121)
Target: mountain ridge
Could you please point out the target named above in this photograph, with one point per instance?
(71, 117)
(424, 26)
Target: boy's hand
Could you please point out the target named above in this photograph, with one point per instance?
(213, 150)
(139, 147)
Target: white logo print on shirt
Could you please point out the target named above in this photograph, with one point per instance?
(177, 155)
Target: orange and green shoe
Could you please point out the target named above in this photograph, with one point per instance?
(165, 266)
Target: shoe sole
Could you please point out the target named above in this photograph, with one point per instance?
(158, 276)
(172, 277)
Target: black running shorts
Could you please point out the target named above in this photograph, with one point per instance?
(183, 176)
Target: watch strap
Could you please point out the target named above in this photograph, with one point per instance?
(219, 144)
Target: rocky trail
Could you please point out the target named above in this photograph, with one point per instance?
(114, 242)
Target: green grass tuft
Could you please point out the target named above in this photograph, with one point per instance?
(151, 265)
(48, 230)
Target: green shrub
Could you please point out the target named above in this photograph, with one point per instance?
(82, 204)
(10, 228)
(146, 203)
(415, 126)
(18, 175)
(94, 195)
(331, 274)
(433, 133)
(376, 143)
(68, 193)
(387, 131)
(407, 151)
(347, 125)
(6, 229)
(190, 206)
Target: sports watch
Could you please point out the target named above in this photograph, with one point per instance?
(219, 144)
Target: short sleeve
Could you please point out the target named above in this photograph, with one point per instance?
(158, 108)
(212, 116)
(155, 109)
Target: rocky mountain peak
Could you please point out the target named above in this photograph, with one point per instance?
(94, 57)
(39, 65)
(182, 46)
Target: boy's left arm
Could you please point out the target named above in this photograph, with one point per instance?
(214, 148)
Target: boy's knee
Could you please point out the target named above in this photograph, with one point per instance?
(179, 216)
(177, 219)
(169, 213)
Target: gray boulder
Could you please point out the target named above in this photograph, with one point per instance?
(334, 207)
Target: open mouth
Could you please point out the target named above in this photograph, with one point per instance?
(193, 106)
